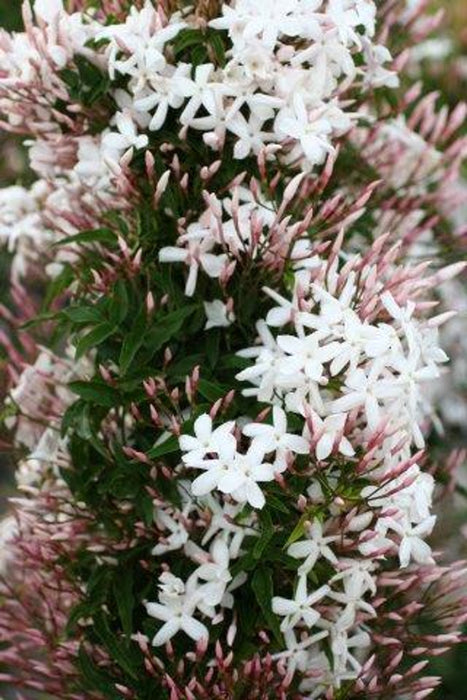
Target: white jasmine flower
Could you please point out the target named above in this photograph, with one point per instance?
(223, 520)
(352, 598)
(297, 651)
(306, 355)
(206, 439)
(215, 573)
(218, 314)
(275, 438)
(310, 129)
(162, 93)
(300, 607)
(126, 138)
(178, 536)
(313, 548)
(201, 91)
(330, 433)
(412, 546)
(176, 607)
(234, 473)
(365, 390)
(197, 254)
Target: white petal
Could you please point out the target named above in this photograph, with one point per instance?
(194, 629)
(203, 427)
(255, 496)
(48, 10)
(324, 446)
(161, 612)
(205, 483)
(282, 606)
(297, 444)
(166, 632)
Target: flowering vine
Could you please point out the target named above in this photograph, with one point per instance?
(222, 347)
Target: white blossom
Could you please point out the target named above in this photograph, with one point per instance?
(176, 607)
(299, 608)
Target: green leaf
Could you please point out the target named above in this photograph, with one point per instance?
(93, 338)
(263, 589)
(96, 392)
(215, 40)
(58, 285)
(199, 55)
(119, 653)
(94, 82)
(213, 338)
(98, 235)
(168, 326)
(82, 314)
(40, 318)
(276, 504)
(211, 391)
(267, 532)
(119, 303)
(133, 341)
(167, 447)
(187, 38)
(94, 677)
(298, 531)
(123, 593)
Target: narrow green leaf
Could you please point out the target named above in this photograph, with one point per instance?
(267, 532)
(58, 285)
(298, 531)
(133, 341)
(263, 589)
(187, 38)
(215, 40)
(211, 391)
(119, 653)
(41, 318)
(82, 314)
(123, 593)
(94, 338)
(213, 338)
(94, 677)
(98, 235)
(96, 392)
(167, 447)
(168, 326)
(118, 307)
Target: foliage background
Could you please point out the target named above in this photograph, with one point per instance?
(450, 78)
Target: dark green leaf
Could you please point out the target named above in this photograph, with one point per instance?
(95, 678)
(93, 338)
(96, 392)
(98, 235)
(133, 341)
(267, 532)
(187, 38)
(167, 447)
(82, 314)
(119, 303)
(263, 589)
(40, 318)
(212, 346)
(168, 326)
(58, 285)
(211, 391)
(215, 40)
(123, 593)
(120, 654)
